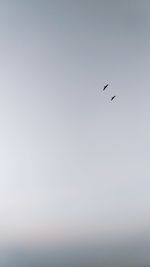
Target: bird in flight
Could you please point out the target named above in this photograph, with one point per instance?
(105, 87)
(113, 97)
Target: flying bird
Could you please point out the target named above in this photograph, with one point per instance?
(113, 97)
(105, 87)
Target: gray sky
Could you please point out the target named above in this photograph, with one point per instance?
(72, 163)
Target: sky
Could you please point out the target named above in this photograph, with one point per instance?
(73, 164)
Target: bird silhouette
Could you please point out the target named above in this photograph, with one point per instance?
(113, 97)
(105, 87)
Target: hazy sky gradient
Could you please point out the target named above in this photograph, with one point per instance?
(72, 163)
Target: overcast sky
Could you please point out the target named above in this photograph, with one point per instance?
(73, 164)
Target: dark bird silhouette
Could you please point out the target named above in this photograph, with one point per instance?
(105, 87)
(113, 97)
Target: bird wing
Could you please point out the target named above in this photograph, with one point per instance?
(113, 97)
(105, 86)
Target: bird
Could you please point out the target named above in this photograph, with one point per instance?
(113, 97)
(105, 87)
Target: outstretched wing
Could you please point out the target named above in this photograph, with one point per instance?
(113, 97)
(105, 87)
